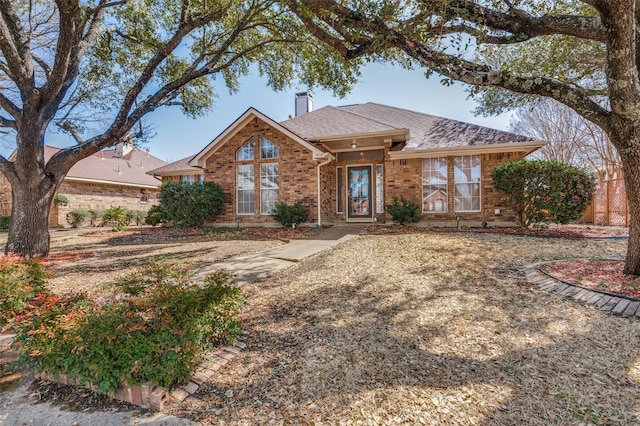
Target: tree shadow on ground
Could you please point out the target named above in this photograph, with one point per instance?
(464, 349)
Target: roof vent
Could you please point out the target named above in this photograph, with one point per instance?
(304, 103)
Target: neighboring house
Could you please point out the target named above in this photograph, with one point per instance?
(179, 171)
(347, 163)
(115, 177)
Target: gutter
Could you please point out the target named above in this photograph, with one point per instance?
(324, 163)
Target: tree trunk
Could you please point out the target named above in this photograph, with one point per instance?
(631, 166)
(29, 225)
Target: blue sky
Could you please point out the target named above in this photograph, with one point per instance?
(177, 136)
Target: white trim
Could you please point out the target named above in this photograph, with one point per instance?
(527, 147)
(110, 182)
(467, 183)
(199, 160)
(422, 199)
(371, 200)
(340, 171)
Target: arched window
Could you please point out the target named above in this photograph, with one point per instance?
(246, 152)
(268, 149)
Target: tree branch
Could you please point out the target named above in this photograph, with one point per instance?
(72, 129)
(14, 46)
(7, 105)
(5, 122)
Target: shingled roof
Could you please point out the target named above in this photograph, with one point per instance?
(180, 167)
(424, 131)
(107, 167)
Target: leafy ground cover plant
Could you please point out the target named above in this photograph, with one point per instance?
(77, 218)
(154, 331)
(4, 221)
(21, 280)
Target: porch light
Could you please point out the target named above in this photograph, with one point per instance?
(354, 144)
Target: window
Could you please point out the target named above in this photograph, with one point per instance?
(187, 178)
(434, 185)
(267, 149)
(269, 183)
(245, 189)
(466, 177)
(144, 197)
(341, 190)
(379, 189)
(246, 152)
(200, 178)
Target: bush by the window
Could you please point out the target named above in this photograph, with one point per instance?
(287, 215)
(4, 221)
(186, 204)
(545, 191)
(77, 218)
(157, 335)
(403, 211)
(115, 217)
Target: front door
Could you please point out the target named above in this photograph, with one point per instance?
(359, 200)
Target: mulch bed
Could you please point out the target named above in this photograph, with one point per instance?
(601, 275)
(60, 257)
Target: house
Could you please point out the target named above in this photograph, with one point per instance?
(115, 177)
(179, 171)
(347, 163)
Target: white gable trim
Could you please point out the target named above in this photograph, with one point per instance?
(199, 160)
(526, 147)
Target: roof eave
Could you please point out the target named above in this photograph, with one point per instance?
(396, 132)
(110, 182)
(527, 147)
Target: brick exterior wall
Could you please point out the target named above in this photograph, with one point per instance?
(297, 170)
(404, 177)
(298, 180)
(95, 196)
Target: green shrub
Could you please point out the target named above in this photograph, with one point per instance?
(21, 280)
(96, 217)
(154, 216)
(134, 217)
(545, 191)
(4, 221)
(186, 204)
(155, 335)
(287, 215)
(60, 200)
(77, 218)
(403, 211)
(115, 217)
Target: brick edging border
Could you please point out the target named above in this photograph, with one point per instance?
(617, 305)
(154, 397)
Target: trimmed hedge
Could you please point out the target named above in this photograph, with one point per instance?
(186, 204)
(4, 221)
(545, 191)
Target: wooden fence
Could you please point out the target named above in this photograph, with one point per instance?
(609, 206)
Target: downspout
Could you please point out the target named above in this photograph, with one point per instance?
(319, 196)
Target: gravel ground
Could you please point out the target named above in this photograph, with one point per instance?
(428, 329)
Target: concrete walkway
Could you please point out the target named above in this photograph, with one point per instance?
(260, 266)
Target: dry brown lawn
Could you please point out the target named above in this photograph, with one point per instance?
(429, 328)
(434, 329)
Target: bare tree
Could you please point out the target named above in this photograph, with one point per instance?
(572, 139)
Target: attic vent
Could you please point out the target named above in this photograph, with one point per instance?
(403, 162)
(499, 156)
